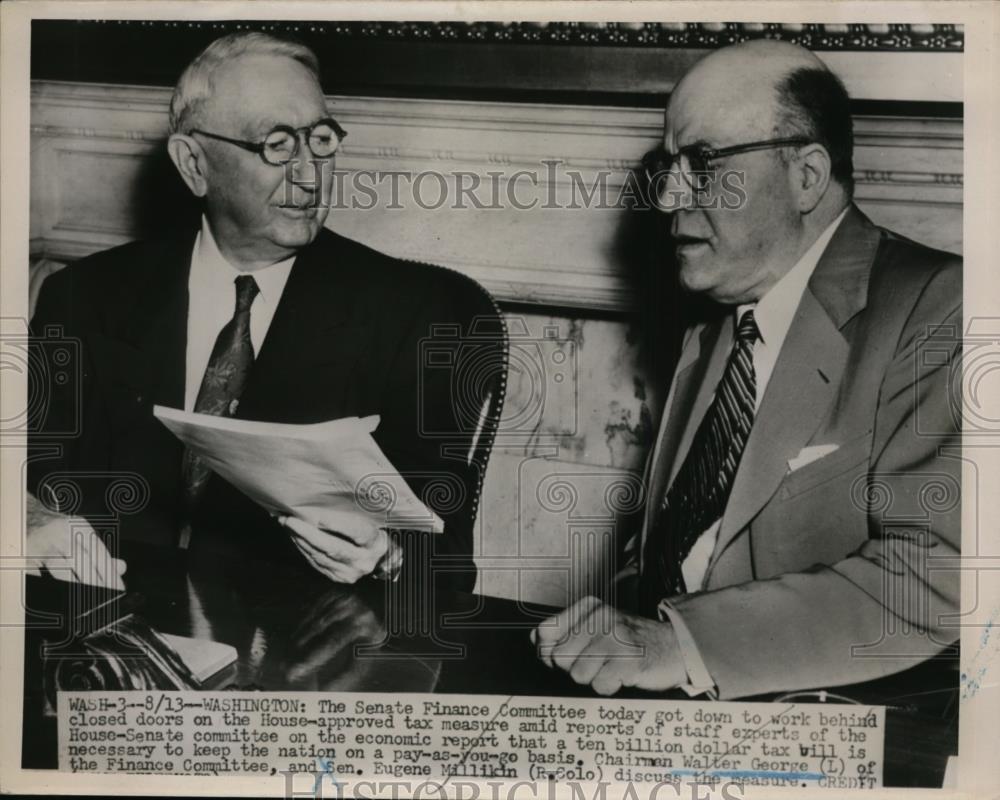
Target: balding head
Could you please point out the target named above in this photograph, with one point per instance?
(757, 57)
(736, 88)
(755, 93)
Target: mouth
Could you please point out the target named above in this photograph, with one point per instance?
(688, 244)
(299, 211)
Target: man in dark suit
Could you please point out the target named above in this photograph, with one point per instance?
(261, 314)
(803, 494)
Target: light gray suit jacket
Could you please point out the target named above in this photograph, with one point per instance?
(845, 569)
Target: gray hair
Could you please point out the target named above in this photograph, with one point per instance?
(195, 84)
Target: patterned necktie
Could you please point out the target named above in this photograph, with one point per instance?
(225, 377)
(698, 495)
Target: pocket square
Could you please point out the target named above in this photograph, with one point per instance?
(809, 454)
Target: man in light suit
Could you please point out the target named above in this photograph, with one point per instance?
(262, 314)
(803, 494)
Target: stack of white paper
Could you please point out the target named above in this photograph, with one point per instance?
(328, 474)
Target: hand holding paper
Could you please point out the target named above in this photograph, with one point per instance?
(344, 551)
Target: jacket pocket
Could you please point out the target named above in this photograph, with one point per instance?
(845, 458)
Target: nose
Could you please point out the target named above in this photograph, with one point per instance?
(679, 185)
(305, 171)
(671, 189)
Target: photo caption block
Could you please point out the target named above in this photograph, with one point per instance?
(352, 737)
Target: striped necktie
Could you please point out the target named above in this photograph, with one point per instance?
(225, 378)
(697, 497)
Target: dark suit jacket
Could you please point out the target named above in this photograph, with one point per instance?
(348, 338)
(842, 570)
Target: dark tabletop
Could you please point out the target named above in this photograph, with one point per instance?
(296, 631)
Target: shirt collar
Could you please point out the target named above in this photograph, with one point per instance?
(213, 272)
(773, 313)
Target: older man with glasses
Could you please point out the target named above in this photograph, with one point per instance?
(803, 493)
(260, 314)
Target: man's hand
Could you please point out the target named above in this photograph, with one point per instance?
(345, 550)
(608, 649)
(69, 549)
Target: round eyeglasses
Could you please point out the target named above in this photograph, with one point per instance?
(281, 145)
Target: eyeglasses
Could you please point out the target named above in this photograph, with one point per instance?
(700, 158)
(281, 145)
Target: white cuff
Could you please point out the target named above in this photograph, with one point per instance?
(699, 680)
(391, 563)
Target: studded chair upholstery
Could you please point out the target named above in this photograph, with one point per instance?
(464, 425)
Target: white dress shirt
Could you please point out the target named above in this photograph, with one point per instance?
(773, 314)
(212, 303)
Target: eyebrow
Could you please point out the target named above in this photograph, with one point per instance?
(261, 127)
(268, 124)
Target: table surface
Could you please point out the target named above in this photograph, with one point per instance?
(296, 631)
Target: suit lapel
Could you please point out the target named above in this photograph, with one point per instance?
(311, 327)
(805, 379)
(158, 320)
(696, 391)
(690, 396)
(807, 374)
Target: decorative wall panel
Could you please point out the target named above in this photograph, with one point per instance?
(550, 207)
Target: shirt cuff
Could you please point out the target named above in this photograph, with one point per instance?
(391, 563)
(699, 680)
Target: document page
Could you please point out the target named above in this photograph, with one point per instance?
(326, 474)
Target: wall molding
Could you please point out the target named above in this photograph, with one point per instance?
(92, 144)
(930, 37)
(887, 68)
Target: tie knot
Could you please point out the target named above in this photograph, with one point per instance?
(747, 330)
(246, 291)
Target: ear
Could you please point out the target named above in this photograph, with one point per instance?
(190, 161)
(810, 176)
